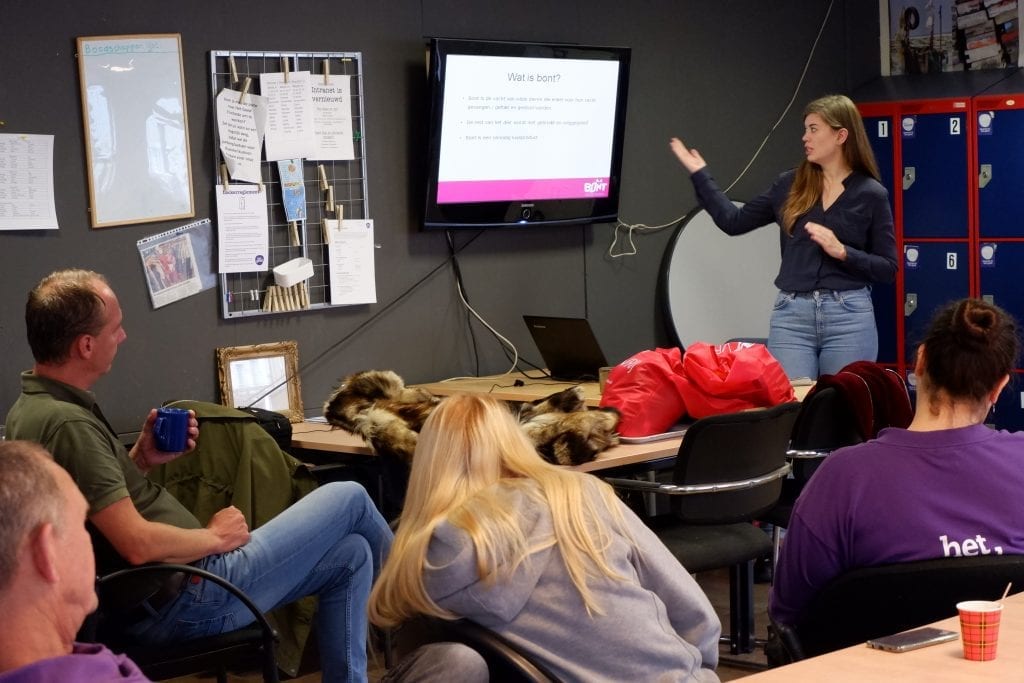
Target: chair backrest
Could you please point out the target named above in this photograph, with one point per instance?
(876, 601)
(872, 398)
(727, 448)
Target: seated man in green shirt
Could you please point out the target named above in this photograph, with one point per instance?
(330, 543)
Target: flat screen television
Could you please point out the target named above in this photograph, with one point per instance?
(524, 133)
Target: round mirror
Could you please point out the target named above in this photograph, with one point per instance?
(718, 287)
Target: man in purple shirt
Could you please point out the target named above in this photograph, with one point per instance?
(47, 576)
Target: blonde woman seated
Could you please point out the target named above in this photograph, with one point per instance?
(545, 556)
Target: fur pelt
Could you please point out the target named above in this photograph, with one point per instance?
(378, 406)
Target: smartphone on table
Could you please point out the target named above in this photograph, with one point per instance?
(912, 640)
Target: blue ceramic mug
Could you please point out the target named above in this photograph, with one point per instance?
(170, 431)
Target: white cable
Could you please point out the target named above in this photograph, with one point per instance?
(646, 228)
(505, 341)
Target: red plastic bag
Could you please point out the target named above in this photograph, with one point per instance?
(732, 377)
(647, 389)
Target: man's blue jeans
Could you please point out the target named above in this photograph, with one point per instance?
(820, 332)
(330, 543)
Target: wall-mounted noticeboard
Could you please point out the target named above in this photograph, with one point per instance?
(136, 129)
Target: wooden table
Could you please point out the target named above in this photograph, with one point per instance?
(937, 663)
(504, 387)
(321, 437)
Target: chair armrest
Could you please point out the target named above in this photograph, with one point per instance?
(808, 454)
(269, 633)
(507, 660)
(695, 489)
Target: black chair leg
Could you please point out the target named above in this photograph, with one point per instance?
(741, 608)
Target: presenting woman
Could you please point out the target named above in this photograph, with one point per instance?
(837, 238)
(945, 486)
(545, 556)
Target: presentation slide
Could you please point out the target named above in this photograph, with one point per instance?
(519, 128)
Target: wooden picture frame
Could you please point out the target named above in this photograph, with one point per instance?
(135, 121)
(262, 376)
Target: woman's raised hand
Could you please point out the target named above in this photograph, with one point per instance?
(689, 158)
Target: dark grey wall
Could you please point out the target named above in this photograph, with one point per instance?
(716, 73)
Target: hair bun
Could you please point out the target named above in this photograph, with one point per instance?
(975, 319)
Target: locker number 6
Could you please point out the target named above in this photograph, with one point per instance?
(951, 260)
(954, 125)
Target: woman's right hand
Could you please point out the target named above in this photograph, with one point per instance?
(689, 158)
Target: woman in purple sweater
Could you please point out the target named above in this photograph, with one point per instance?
(946, 486)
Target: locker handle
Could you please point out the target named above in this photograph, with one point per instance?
(909, 176)
(984, 175)
(909, 304)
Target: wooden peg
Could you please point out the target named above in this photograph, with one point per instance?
(327, 72)
(339, 211)
(323, 177)
(330, 197)
(246, 84)
(284, 68)
(294, 233)
(225, 177)
(233, 69)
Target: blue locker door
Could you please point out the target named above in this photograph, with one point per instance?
(879, 129)
(934, 273)
(999, 268)
(880, 135)
(934, 182)
(1009, 409)
(884, 299)
(1001, 173)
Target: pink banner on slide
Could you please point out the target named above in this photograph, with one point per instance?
(464, 191)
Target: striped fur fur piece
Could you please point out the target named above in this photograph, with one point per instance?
(378, 406)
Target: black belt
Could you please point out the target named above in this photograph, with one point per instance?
(170, 590)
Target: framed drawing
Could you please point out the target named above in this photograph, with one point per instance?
(136, 129)
(261, 376)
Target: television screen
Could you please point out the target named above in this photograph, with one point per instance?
(524, 133)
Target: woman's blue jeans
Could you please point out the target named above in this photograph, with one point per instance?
(819, 332)
(331, 544)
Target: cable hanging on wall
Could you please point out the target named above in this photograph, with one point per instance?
(643, 228)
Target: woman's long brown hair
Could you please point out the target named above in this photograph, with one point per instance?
(838, 111)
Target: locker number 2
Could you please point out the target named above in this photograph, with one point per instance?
(954, 125)
(951, 260)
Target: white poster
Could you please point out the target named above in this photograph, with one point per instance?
(243, 233)
(332, 119)
(26, 182)
(289, 115)
(350, 247)
(241, 123)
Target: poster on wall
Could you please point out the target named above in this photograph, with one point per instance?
(932, 36)
(136, 128)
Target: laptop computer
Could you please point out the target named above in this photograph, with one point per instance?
(568, 347)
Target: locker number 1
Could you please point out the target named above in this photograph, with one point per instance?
(954, 125)
(883, 129)
(951, 260)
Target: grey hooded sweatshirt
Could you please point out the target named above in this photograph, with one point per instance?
(657, 624)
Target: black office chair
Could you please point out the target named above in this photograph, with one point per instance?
(825, 422)
(246, 649)
(729, 471)
(844, 409)
(876, 601)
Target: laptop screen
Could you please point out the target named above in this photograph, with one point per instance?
(568, 347)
